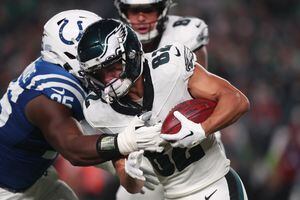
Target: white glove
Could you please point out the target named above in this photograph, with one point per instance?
(189, 135)
(151, 180)
(132, 165)
(137, 136)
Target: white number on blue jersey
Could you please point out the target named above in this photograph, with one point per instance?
(4, 115)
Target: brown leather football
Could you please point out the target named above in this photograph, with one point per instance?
(196, 110)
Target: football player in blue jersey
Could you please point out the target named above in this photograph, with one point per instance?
(39, 115)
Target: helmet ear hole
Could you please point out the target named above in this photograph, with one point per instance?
(69, 55)
(67, 67)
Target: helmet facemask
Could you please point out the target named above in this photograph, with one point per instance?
(161, 7)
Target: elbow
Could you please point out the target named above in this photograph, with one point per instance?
(243, 103)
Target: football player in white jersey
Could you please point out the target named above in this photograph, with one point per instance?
(39, 117)
(156, 28)
(126, 82)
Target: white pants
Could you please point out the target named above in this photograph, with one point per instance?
(157, 194)
(48, 187)
(230, 187)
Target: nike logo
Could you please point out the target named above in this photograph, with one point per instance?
(191, 133)
(61, 92)
(198, 25)
(178, 52)
(208, 197)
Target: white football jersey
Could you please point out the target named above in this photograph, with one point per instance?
(181, 171)
(190, 31)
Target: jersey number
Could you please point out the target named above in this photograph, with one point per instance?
(6, 110)
(162, 58)
(66, 100)
(180, 159)
(182, 22)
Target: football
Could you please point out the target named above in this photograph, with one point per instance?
(196, 110)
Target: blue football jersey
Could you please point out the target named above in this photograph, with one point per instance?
(24, 152)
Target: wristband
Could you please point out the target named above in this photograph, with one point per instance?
(107, 147)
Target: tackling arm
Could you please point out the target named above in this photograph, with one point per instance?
(64, 134)
(62, 131)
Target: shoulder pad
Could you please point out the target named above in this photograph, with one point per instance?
(170, 60)
(190, 31)
(55, 83)
(101, 116)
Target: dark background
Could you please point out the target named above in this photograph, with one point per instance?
(254, 44)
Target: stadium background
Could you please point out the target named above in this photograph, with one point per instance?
(254, 44)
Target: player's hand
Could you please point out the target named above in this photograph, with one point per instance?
(140, 135)
(151, 180)
(189, 135)
(132, 165)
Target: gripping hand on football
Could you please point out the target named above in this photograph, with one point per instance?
(189, 135)
(140, 135)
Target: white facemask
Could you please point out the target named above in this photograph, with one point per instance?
(116, 88)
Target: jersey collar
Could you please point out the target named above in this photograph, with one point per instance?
(128, 107)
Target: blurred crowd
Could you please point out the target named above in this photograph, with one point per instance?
(254, 44)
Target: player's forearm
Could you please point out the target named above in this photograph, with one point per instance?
(231, 105)
(130, 184)
(82, 151)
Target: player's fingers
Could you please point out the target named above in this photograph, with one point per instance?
(131, 162)
(169, 137)
(139, 156)
(146, 116)
(152, 180)
(175, 144)
(147, 171)
(149, 186)
(158, 125)
(137, 174)
(179, 116)
(139, 153)
(132, 156)
(142, 191)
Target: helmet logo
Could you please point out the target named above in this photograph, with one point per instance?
(64, 40)
(116, 41)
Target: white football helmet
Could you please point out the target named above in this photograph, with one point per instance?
(162, 6)
(61, 36)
